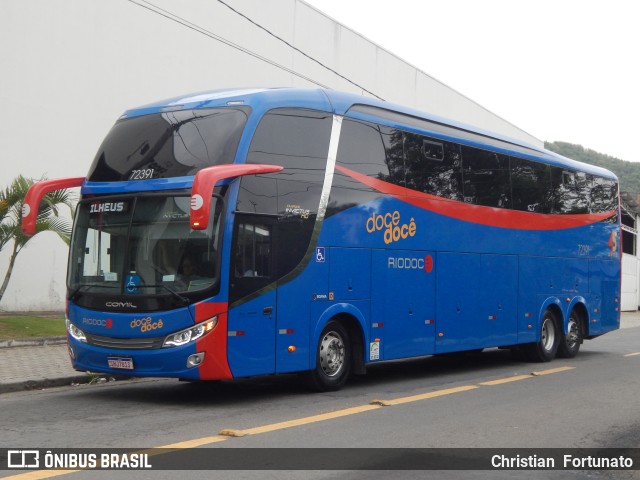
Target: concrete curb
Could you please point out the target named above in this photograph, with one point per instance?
(33, 342)
(43, 383)
(65, 381)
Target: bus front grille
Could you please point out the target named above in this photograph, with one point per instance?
(125, 343)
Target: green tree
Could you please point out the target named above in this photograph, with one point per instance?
(627, 172)
(48, 220)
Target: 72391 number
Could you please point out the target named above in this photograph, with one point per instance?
(142, 174)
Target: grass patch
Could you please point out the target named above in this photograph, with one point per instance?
(12, 327)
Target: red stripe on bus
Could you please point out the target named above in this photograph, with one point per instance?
(215, 365)
(488, 216)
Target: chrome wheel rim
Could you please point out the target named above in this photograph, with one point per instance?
(572, 333)
(332, 354)
(548, 334)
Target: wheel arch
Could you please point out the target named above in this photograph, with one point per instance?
(579, 306)
(554, 304)
(353, 320)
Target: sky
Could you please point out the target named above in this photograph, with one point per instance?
(561, 70)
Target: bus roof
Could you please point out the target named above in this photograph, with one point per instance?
(339, 103)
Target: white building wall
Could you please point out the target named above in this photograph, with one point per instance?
(71, 67)
(629, 294)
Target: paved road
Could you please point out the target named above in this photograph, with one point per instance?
(488, 400)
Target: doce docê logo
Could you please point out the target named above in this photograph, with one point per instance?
(391, 226)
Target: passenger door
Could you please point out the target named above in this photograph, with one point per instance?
(252, 297)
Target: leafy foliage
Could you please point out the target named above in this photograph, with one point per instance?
(628, 172)
(48, 219)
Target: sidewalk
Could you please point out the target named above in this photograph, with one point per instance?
(44, 363)
(35, 365)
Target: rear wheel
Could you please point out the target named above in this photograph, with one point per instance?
(570, 343)
(545, 349)
(333, 359)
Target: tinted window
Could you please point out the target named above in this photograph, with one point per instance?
(460, 172)
(604, 195)
(570, 191)
(252, 262)
(298, 140)
(433, 166)
(168, 144)
(394, 141)
(410, 160)
(362, 149)
(486, 178)
(530, 185)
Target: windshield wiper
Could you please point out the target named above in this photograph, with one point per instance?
(73, 295)
(182, 298)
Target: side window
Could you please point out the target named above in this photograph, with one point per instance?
(570, 191)
(583, 184)
(486, 178)
(272, 243)
(433, 166)
(298, 140)
(361, 149)
(252, 261)
(530, 184)
(394, 141)
(604, 196)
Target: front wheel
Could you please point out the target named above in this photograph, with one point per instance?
(333, 359)
(545, 349)
(570, 343)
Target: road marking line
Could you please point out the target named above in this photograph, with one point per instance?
(424, 396)
(300, 421)
(552, 370)
(505, 380)
(39, 474)
(632, 354)
(515, 378)
(375, 404)
(196, 442)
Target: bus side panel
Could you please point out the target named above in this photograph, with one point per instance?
(477, 303)
(541, 278)
(403, 302)
(251, 336)
(350, 273)
(297, 302)
(605, 284)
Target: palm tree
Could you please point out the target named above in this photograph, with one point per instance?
(48, 220)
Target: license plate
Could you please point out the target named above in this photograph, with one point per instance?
(124, 363)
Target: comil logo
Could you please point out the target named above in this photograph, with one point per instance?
(389, 223)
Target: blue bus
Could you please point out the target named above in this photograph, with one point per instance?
(251, 232)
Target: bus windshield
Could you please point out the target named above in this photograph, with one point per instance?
(170, 144)
(142, 245)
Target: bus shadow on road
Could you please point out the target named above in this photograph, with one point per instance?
(422, 372)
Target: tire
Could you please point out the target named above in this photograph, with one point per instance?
(333, 359)
(544, 350)
(570, 343)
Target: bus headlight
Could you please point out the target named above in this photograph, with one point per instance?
(75, 332)
(190, 334)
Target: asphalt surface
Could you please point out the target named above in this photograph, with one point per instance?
(41, 363)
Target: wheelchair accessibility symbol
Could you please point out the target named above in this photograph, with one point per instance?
(320, 255)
